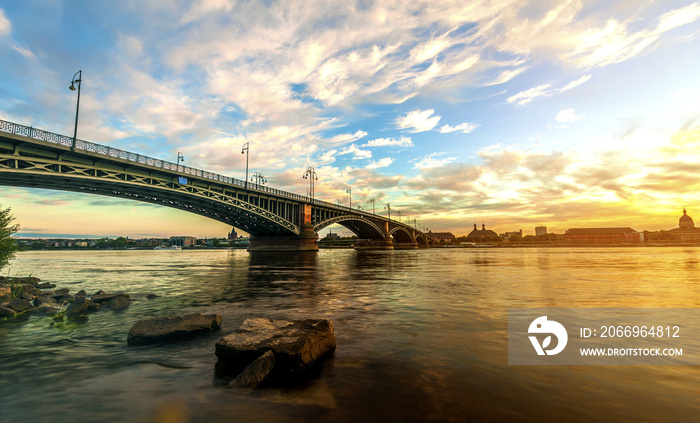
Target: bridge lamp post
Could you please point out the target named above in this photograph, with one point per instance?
(79, 80)
(349, 191)
(372, 201)
(180, 158)
(245, 149)
(399, 216)
(259, 178)
(388, 207)
(310, 174)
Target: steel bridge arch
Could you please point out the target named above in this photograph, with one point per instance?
(359, 225)
(35, 172)
(402, 229)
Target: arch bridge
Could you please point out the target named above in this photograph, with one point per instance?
(276, 220)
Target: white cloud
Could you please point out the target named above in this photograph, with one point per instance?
(386, 161)
(526, 96)
(5, 25)
(346, 138)
(431, 161)
(567, 115)
(384, 142)
(356, 152)
(465, 128)
(679, 17)
(418, 121)
(576, 83)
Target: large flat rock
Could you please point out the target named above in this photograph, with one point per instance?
(171, 328)
(298, 345)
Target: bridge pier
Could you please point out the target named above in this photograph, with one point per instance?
(374, 244)
(305, 242)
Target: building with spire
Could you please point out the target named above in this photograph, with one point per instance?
(483, 235)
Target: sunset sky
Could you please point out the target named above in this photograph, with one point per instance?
(514, 114)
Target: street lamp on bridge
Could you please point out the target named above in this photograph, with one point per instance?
(388, 207)
(79, 80)
(245, 149)
(349, 191)
(180, 158)
(259, 178)
(310, 174)
(372, 201)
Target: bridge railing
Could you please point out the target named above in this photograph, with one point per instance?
(104, 150)
(40, 134)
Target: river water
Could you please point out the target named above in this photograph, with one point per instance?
(421, 336)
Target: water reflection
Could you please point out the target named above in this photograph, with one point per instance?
(421, 335)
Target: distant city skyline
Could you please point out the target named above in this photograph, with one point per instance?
(514, 114)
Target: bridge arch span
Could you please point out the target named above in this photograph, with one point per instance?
(359, 225)
(401, 234)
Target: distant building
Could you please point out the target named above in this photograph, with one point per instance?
(603, 235)
(482, 235)
(232, 234)
(507, 235)
(540, 230)
(183, 241)
(442, 237)
(686, 230)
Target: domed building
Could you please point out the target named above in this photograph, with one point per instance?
(483, 235)
(686, 230)
(686, 222)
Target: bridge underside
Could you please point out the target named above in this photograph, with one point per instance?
(216, 210)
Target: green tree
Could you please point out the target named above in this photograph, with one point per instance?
(7, 243)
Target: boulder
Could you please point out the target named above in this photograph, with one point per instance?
(100, 292)
(46, 285)
(171, 328)
(59, 293)
(45, 300)
(43, 310)
(5, 293)
(298, 345)
(118, 302)
(81, 293)
(29, 292)
(105, 298)
(93, 306)
(151, 296)
(256, 372)
(20, 304)
(78, 306)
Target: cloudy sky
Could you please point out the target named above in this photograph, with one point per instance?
(510, 113)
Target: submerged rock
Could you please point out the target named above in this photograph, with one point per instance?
(171, 328)
(78, 306)
(105, 298)
(298, 345)
(119, 302)
(46, 285)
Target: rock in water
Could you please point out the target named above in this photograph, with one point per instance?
(171, 328)
(118, 303)
(256, 372)
(298, 345)
(78, 306)
(20, 304)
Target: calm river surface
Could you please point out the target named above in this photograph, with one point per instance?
(421, 336)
